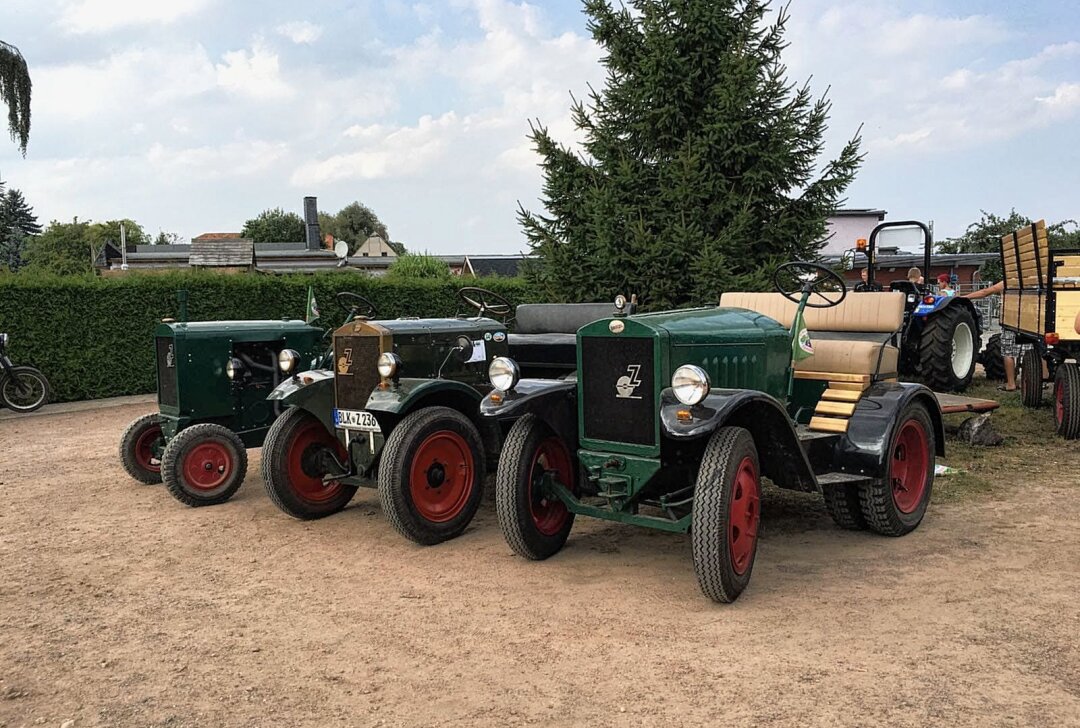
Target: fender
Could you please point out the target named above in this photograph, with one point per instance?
(864, 448)
(406, 394)
(941, 302)
(552, 400)
(312, 391)
(782, 457)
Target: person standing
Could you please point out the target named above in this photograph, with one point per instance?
(1010, 350)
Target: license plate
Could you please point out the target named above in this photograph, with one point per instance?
(361, 420)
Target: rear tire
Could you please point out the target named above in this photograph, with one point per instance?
(896, 504)
(204, 465)
(1067, 401)
(24, 390)
(290, 460)
(845, 506)
(534, 526)
(1031, 379)
(992, 360)
(726, 514)
(141, 448)
(431, 475)
(947, 349)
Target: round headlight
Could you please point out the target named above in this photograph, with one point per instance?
(690, 384)
(287, 360)
(234, 368)
(388, 364)
(503, 373)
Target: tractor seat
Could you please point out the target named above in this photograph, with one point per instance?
(850, 338)
(544, 341)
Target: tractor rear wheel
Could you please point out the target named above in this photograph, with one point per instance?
(431, 475)
(295, 457)
(947, 349)
(204, 465)
(992, 361)
(1031, 378)
(726, 514)
(535, 524)
(845, 507)
(895, 505)
(1067, 401)
(140, 449)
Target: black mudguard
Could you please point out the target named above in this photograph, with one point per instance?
(552, 400)
(782, 458)
(864, 448)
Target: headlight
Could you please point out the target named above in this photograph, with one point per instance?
(233, 368)
(3, 340)
(620, 302)
(690, 384)
(503, 373)
(911, 298)
(287, 360)
(388, 364)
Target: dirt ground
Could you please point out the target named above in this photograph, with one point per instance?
(121, 607)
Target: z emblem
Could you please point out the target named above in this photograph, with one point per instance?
(170, 358)
(628, 383)
(344, 362)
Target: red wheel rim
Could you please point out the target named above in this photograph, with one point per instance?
(549, 515)
(1059, 402)
(145, 451)
(441, 476)
(743, 515)
(307, 440)
(907, 470)
(208, 465)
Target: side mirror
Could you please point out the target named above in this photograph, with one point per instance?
(464, 349)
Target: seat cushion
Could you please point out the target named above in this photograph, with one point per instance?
(850, 357)
(866, 312)
(557, 318)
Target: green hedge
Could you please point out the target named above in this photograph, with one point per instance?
(93, 336)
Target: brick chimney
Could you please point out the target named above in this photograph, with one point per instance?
(311, 224)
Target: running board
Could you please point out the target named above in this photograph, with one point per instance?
(838, 478)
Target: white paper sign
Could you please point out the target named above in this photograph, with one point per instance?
(479, 352)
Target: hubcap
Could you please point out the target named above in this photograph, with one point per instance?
(963, 350)
(309, 442)
(148, 449)
(208, 465)
(908, 466)
(441, 476)
(743, 515)
(549, 515)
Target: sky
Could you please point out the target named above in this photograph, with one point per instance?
(192, 116)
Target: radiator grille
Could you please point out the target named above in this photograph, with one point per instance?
(618, 390)
(355, 375)
(166, 370)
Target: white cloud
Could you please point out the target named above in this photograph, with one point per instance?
(233, 159)
(300, 31)
(256, 74)
(96, 16)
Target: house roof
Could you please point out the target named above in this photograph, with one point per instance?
(218, 252)
(859, 212)
(218, 236)
(907, 260)
(506, 266)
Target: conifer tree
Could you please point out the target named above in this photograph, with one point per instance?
(700, 167)
(16, 214)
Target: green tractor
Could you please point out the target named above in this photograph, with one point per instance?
(399, 411)
(213, 380)
(675, 416)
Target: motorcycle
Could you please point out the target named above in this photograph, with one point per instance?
(22, 388)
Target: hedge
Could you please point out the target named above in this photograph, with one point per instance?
(93, 336)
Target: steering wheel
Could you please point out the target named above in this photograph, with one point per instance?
(794, 279)
(485, 301)
(356, 305)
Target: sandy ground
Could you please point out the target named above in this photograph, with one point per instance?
(121, 607)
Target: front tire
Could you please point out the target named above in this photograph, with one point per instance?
(534, 524)
(992, 360)
(947, 349)
(294, 463)
(431, 475)
(896, 504)
(141, 448)
(1031, 378)
(1067, 401)
(726, 514)
(204, 465)
(24, 390)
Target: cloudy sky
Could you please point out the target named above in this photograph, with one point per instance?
(193, 115)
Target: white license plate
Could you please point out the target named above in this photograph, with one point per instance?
(361, 420)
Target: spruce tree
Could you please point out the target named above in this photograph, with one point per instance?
(15, 214)
(700, 166)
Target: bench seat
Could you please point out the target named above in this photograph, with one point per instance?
(544, 341)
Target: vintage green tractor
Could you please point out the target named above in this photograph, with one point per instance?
(675, 416)
(399, 412)
(213, 379)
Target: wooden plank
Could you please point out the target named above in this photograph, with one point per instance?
(837, 409)
(952, 403)
(842, 395)
(849, 386)
(1066, 308)
(1010, 308)
(833, 376)
(1067, 271)
(828, 424)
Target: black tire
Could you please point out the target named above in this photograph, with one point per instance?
(889, 507)
(423, 437)
(845, 506)
(936, 349)
(534, 527)
(204, 465)
(11, 386)
(140, 449)
(723, 558)
(290, 467)
(1067, 401)
(992, 360)
(1031, 378)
